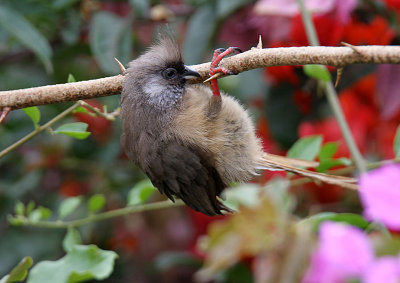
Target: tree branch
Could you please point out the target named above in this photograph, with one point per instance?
(252, 59)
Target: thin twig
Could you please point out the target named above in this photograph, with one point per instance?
(332, 95)
(39, 129)
(251, 59)
(4, 113)
(109, 116)
(121, 67)
(345, 171)
(339, 74)
(59, 224)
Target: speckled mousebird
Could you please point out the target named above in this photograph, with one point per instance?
(190, 140)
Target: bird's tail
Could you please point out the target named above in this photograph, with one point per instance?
(280, 163)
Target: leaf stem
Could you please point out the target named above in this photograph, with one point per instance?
(109, 116)
(332, 96)
(59, 224)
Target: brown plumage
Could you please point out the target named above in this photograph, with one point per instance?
(190, 143)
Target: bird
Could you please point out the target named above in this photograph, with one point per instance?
(191, 140)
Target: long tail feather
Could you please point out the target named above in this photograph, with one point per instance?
(291, 161)
(280, 164)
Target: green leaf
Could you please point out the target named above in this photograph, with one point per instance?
(349, 218)
(325, 155)
(327, 164)
(306, 148)
(35, 215)
(19, 208)
(33, 113)
(141, 192)
(396, 143)
(81, 109)
(45, 213)
(71, 78)
(68, 205)
(76, 130)
(328, 150)
(96, 203)
(242, 195)
(71, 239)
(30, 207)
(110, 37)
(82, 263)
(199, 33)
(22, 30)
(19, 272)
(319, 72)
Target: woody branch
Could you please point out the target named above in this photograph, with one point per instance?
(256, 58)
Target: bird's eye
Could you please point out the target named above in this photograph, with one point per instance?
(169, 73)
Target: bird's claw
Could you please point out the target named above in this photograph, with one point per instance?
(219, 54)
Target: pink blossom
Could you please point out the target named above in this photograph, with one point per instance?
(343, 253)
(380, 195)
(290, 8)
(387, 268)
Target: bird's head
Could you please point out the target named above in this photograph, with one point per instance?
(158, 77)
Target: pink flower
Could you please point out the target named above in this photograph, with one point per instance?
(387, 268)
(380, 195)
(344, 252)
(341, 9)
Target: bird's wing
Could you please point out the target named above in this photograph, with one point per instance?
(184, 172)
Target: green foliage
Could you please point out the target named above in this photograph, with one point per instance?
(200, 30)
(317, 72)
(326, 160)
(68, 206)
(71, 78)
(306, 148)
(349, 218)
(33, 113)
(19, 272)
(110, 37)
(81, 263)
(71, 239)
(96, 203)
(76, 130)
(81, 109)
(29, 212)
(141, 192)
(17, 26)
(396, 143)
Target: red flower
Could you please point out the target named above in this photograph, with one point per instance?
(303, 101)
(376, 32)
(72, 187)
(329, 30)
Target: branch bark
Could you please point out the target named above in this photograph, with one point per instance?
(256, 58)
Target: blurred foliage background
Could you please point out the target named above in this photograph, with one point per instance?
(43, 41)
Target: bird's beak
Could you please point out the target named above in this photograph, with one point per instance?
(190, 73)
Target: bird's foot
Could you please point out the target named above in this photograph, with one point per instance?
(219, 54)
